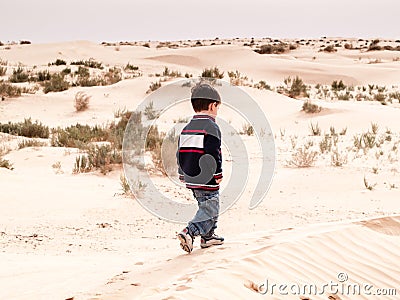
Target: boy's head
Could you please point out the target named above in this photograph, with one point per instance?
(204, 95)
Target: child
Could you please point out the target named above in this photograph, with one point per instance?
(199, 166)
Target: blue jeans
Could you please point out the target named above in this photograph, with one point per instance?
(205, 220)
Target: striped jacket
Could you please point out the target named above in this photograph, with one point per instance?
(199, 153)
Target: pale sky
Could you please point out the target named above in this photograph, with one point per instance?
(135, 20)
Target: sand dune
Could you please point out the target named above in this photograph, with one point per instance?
(344, 254)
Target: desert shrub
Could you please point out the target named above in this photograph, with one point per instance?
(380, 97)
(147, 45)
(3, 71)
(262, 85)
(19, 75)
(348, 46)
(8, 90)
(338, 159)
(24, 42)
(58, 62)
(66, 71)
(150, 111)
(31, 143)
(90, 63)
(57, 83)
(78, 136)
(295, 87)
(153, 139)
(329, 49)
(153, 86)
(212, 73)
(310, 108)
(5, 163)
(98, 158)
(315, 129)
(236, 78)
(81, 101)
(112, 76)
(42, 76)
(130, 67)
(338, 86)
(274, 48)
(84, 78)
(125, 185)
(247, 129)
(26, 128)
(168, 73)
(374, 46)
(303, 158)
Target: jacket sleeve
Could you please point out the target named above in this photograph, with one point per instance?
(212, 146)
(180, 172)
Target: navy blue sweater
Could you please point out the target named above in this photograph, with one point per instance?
(199, 153)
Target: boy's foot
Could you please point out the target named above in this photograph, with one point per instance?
(211, 241)
(186, 240)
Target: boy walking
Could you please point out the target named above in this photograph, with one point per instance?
(199, 166)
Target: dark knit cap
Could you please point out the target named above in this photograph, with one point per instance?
(205, 91)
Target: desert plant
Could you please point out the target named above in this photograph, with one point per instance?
(125, 185)
(374, 46)
(338, 159)
(329, 49)
(81, 101)
(311, 108)
(150, 112)
(338, 86)
(26, 128)
(236, 78)
(247, 129)
(9, 90)
(3, 71)
(19, 75)
(130, 68)
(367, 185)
(31, 143)
(78, 136)
(212, 73)
(112, 76)
(153, 86)
(5, 163)
(57, 83)
(303, 158)
(315, 129)
(295, 87)
(58, 62)
(262, 85)
(90, 63)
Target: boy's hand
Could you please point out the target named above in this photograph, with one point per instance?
(218, 180)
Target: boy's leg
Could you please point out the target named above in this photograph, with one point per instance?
(207, 214)
(204, 220)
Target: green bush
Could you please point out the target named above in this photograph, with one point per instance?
(3, 71)
(58, 62)
(338, 86)
(274, 48)
(154, 86)
(78, 136)
(57, 83)
(26, 128)
(98, 158)
(91, 63)
(19, 75)
(212, 73)
(310, 108)
(295, 87)
(8, 90)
